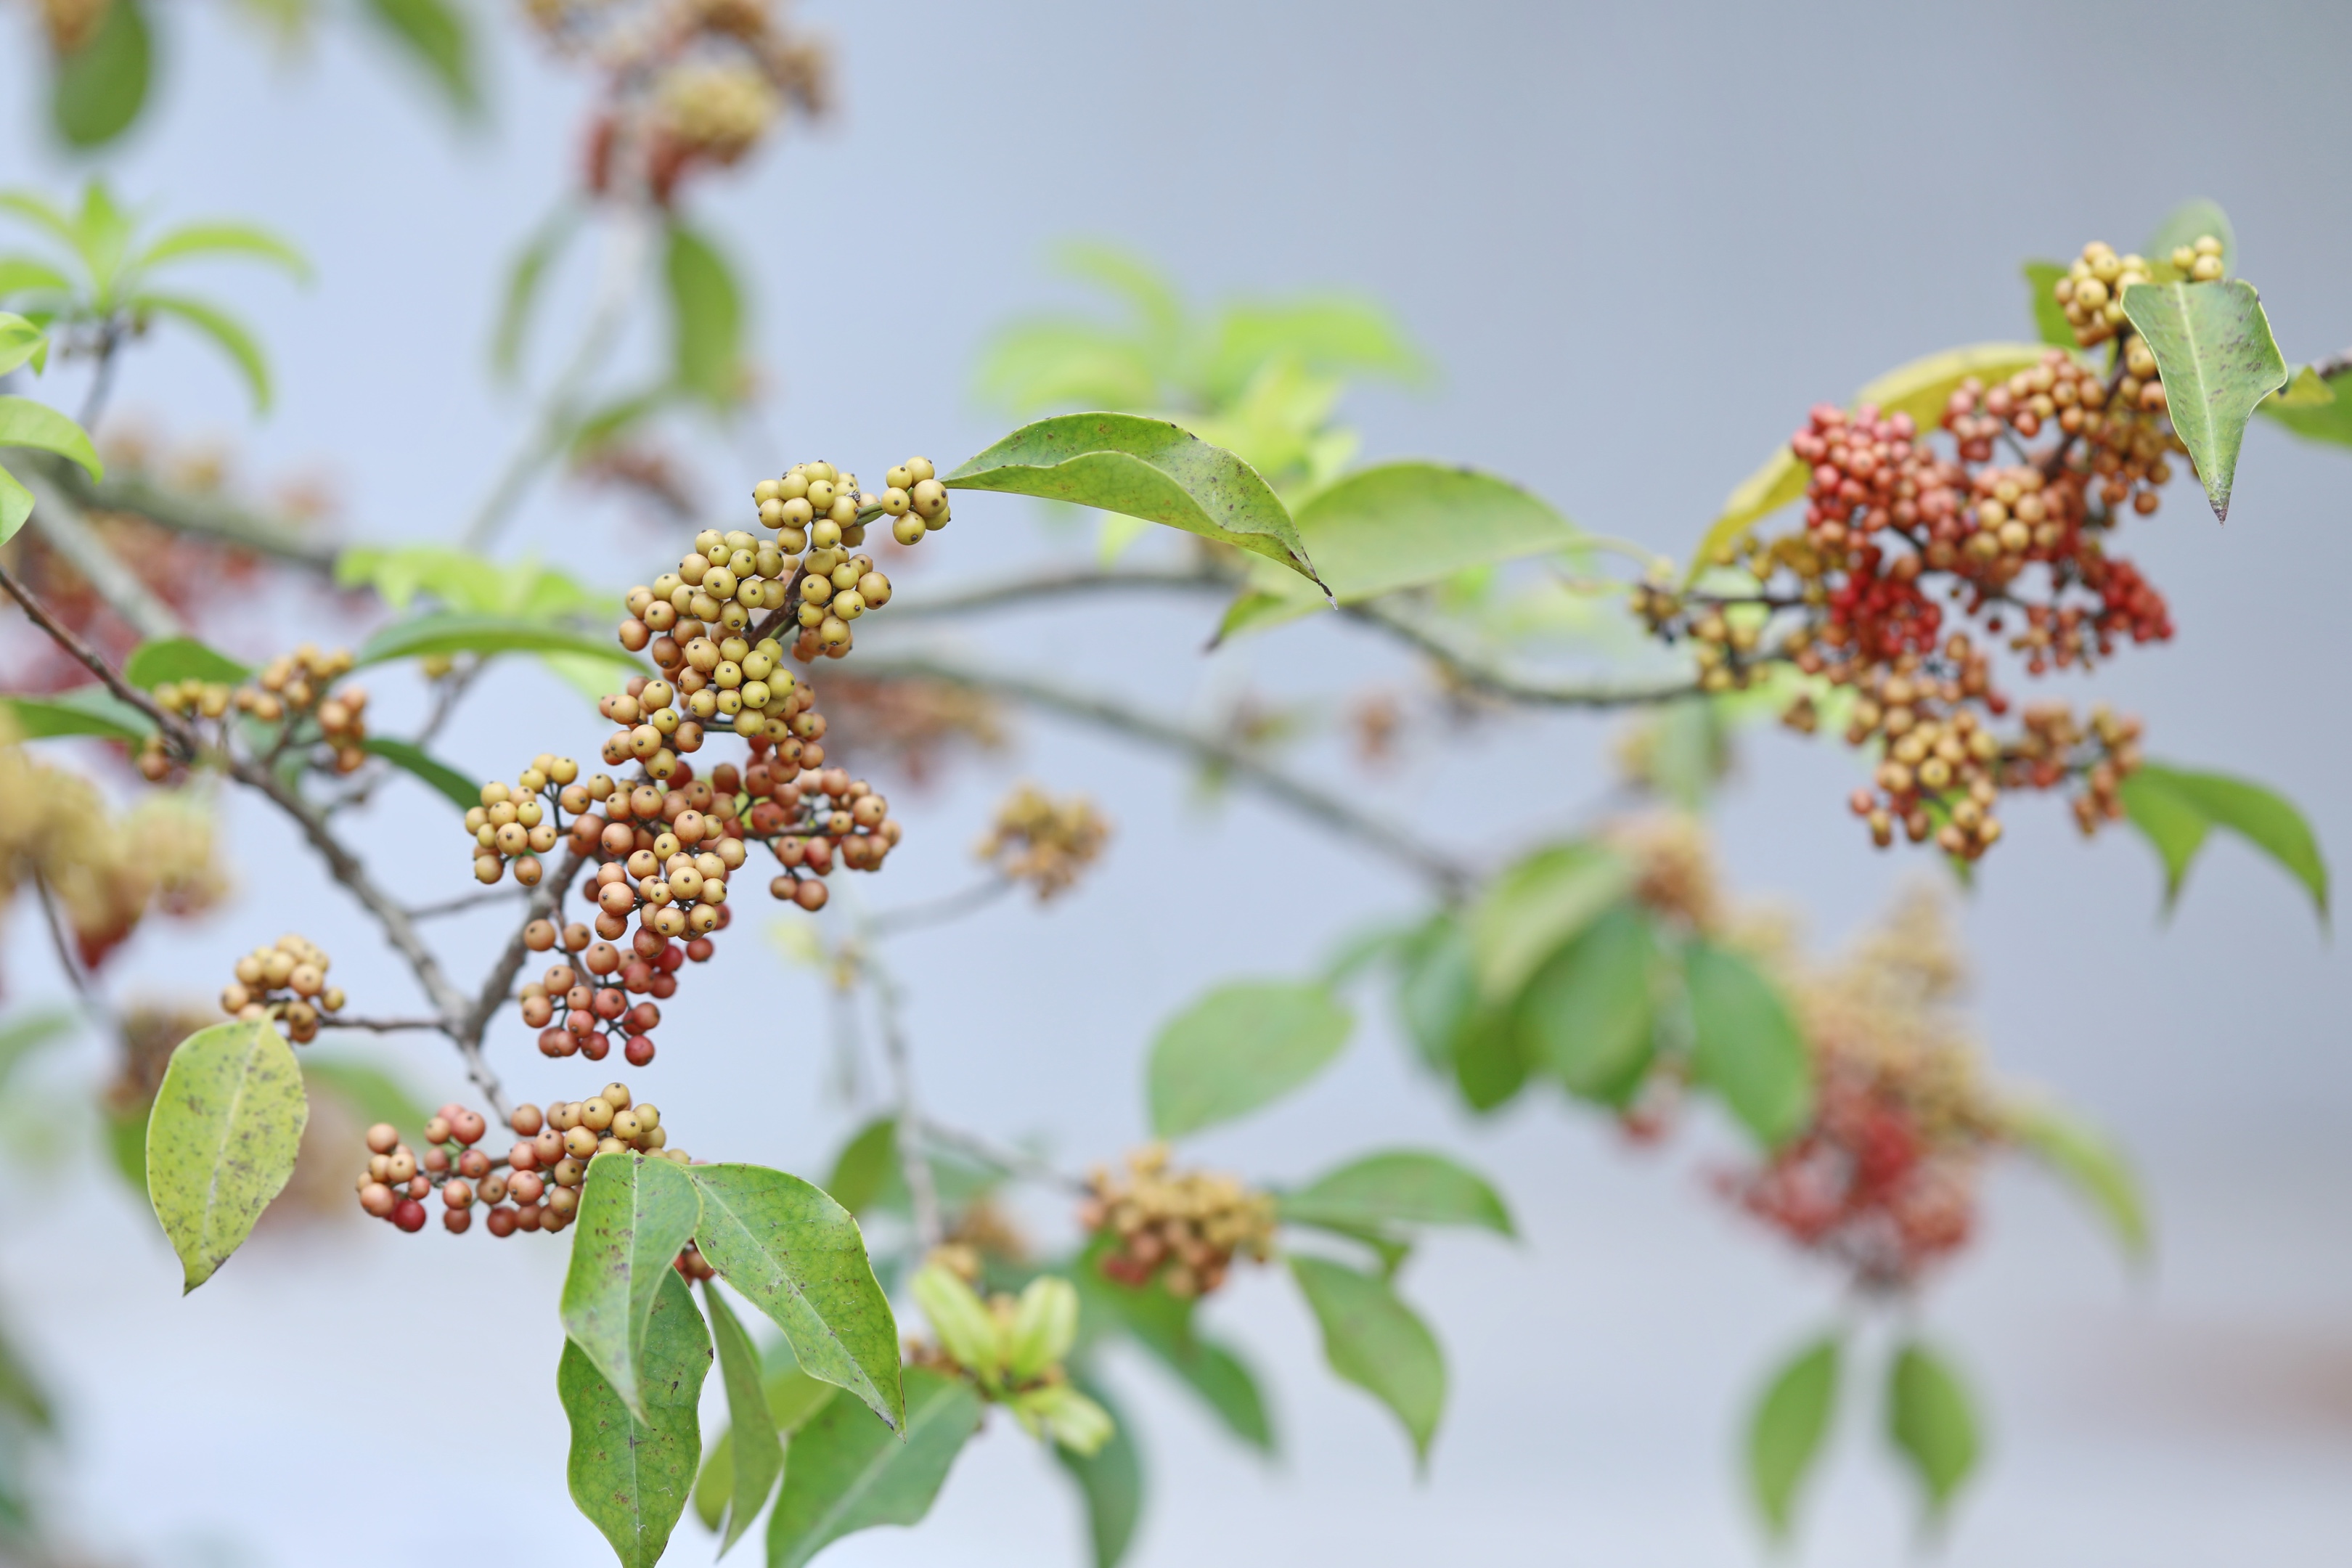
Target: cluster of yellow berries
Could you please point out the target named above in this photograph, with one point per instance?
(534, 1186)
(290, 688)
(2102, 753)
(2092, 293)
(287, 982)
(1185, 1227)
(516, 824)
(818, 510)
(1043, 841)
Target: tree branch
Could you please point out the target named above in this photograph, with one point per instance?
(914, 1152)
(65, 528)
(174, 729)
(937, 911)
(378, 1025)
(1494, 681)
(474, 1019)
(199, 517)
(1012, 1161)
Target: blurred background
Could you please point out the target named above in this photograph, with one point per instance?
(1635, 244)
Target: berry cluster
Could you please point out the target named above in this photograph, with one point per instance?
(516, 825)
(818, 510)
(1043, 841)
(292, 690)
(1185, 1228)
(1010, 1349)
(581, 1008)
(287, 982)
(534, 1186)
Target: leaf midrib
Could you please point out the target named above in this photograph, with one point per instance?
(870, 1473)
(792, 1285)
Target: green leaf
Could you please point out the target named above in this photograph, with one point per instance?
(1401, 1188)
(1781, 480)
(632, 1474)
(2091, 1164)
(372, 1094)
(799, 1257)
(1536, 905)
(152, 663)
(1239, 1047)
(1400, 525)
(706, 320)
(1744, 1045)
(2212, 346)
(21, 342)
(1931, 1424)
(2306, 388)
(2329, 421)
(20, 1392)
(202, 239)
(793, 1399)
(25, 422)
(1489, 1067)
(15, 506)
(1437, 989)
(756, 1453)
(425, 636)
(98, 91)
(1330, 334)
(228, 334)
(846, 1473)
(866, 1166)
(21, 274)
(2185, 224)
(23, 1033)
(2160, 802)
(522, 287)
(1377, 1342)
(436, 37)
(221, 1139)
(1784, 1435)
(1588, 1016)
(2049, 322)
(1035, 366)
(84, 710)
(636, 1212)
(1162, 1324)
(461, 792)
(1109, 1481)
(1141, 468)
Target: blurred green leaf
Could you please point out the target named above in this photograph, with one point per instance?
(756, 1453)
(1931, 1424)
(1402, 525)
(15, 506)
(2091, 1164)
(21, 342)
(1241, 1046)
(84, 710)
(1110, 1480)
(160, 659)
(1377, 1342)
(1402, 1186)
(1535, 906)
(98, 90)
(439, 37)
(1436, 988)
(2175, 808)
(1785, 1433)
(866, 1164)
(1746, 1046)
(203, 239)
(523, 281)
(1163, 1325)
(24, 1032)
(2329, 422)
(372, 1094)
(706, 320)
(221, 1139)
(425, 636)
(1588, 1016)
(847, 1472)
(632, 1476)
(25, 422)
(636, 1212)
(1037, 366)
(2213, 347)
(454, 787)
(793, 1399)
(229, 335)
(1348, 337)
(2049, 322)
(1489, 1067)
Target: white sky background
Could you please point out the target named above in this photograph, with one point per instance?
(1638, 245)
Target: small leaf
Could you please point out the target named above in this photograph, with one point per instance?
(1931, 1424)
(2186, 224)
(1057, 1414)
(1401, 525)
(1744, 1045)
(2306, 388)
(21, 342)
(202, 239)
(866, 1166)
(439, 633)
(2159, 800)
(1141, 468)
(15, 506)
(2329, 422)
(99, 89)
(1588, 1016)
(706, 320)
(152, 663)
(632, 1476)
(221, 1139)
(436, 37)
(2091, 1164)
(25, 422)
(1437, 989)
(1536, 905)
(1781, 480)
(460, 791)
(1401, 1187)
(228, 334)
(755, 1452)
(1784, 1435)
(2171, 823)
(845, 1473)
(1240, 1047)
(522, 287)
(798, 1257)
(2213, 348)
(636, 1212)
(793, 1399)
(1109, 1481)
(1329, 335)
(2049, 322)
(1490, 1068)
(84, 710)
(1377, 1342)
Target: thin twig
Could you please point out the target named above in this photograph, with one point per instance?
(101, 381)
(914, 1152)
(81, 979)
(197, 516)
(937, 911)
(174, 729)
(470, 901)
(1494, 681)
(378, 1025)
(475, 1019)
(67, 530)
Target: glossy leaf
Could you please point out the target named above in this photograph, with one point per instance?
(1746, 1047)
(636, 1212)
(1931, 1422)
(706, 320)
(756, 1454)
(2175, 808)
(522, 287)
(1536, 905)
(21, 342)
(846, 1472)
(1141, 468)
(2212, 346)
(798, 1257)
(152, 663)
(2185, 224)
(633, 1474)
(99, 89)
(1588, 1016)
(228, 334)
(1377, 1342)
(1240, 1047)
(438, 38)
(1401, 525)
(1400, 1187)
(441, 632)
(2090, 1163)
(1109, 1481)
(221, 1139)
(25, 422)
(84, 710)
(2049, 322)
(194, 240)
(1785, 1433)
(461, 792)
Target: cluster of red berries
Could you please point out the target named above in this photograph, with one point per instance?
(535, 1185)
(287, 982)
(1183, 1228)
